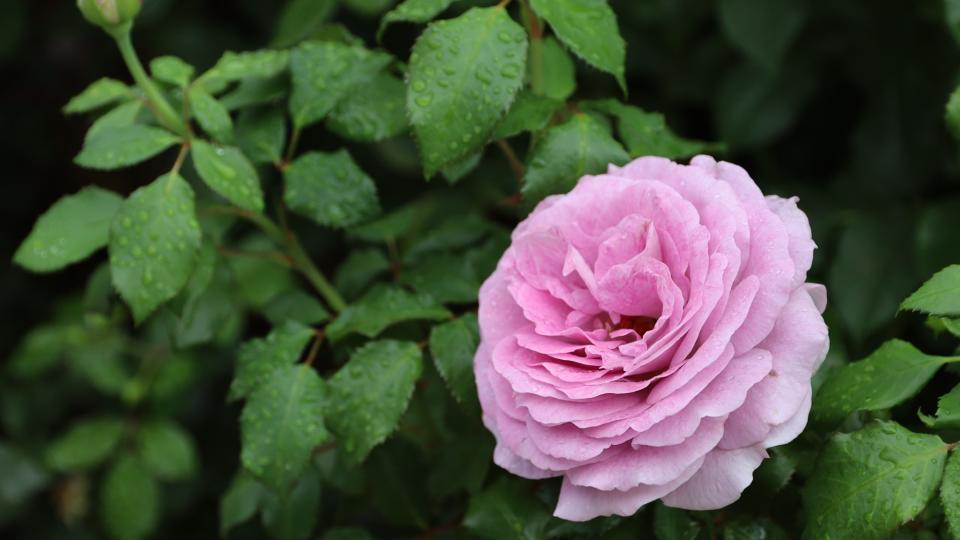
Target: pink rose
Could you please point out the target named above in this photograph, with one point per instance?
(649, 335)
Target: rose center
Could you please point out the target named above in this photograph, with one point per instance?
(640, 324)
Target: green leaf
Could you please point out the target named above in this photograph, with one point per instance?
(129, 500)
(414, 11)
(950, 493)
(464, 74)
(453, 345)
(258, 279)
(211, 115)
(646, 133)
(240, 502)
(101, 93)
(361, 267)
(172, 70)
(559, 73)
(293, 517)
(589, 29)
(464, 463)
(295, 306)
(673, 524)
(456, 232)
(383, 306)
(369, 394)
(528, 113)
(260, 357)
(261, 134)
(69, 231)
(948, 411)
(744, 528)
(890, 375)
(449, 278)
(262, 64)
(228, 172)
(125, 114)
(253, 92)
(22, 477)
(281, 424)
(153, 244)
(300, 19)
(40, 350)
(85, 445)
(331, 189)
(326, 72)
(166, 450)
(577, 147)
(507, 509)
(952, 111)
(940, 295)
(124, 146)
(371, 112)
(369, 7)
(869, 482)
(396, 482)
(763, 31)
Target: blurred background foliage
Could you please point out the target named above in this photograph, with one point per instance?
(840, 103)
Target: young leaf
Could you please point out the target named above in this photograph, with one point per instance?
(890, 375)
(940, 295)
(102, 92)
(760, 528)
(369, 8)
(950, 493)
(948, 411)
(240, 502)
(673, 524)
(528, 113)
(124, 146)
(371, 112)
(869, 482)
(263, 64)
(577, 147)
(453, 345)
(296, 306)
(22, 477)
(414, 11)
(171, 70)
(281, 424)
(293, 517)
(253, 92)
(86, 444)
(261, 134)
(153, 244)
(361, 267)
(130, 500)
(211, 115)
(646, 133)
(762, 31)
(368, 396)
(228, 172)
(326, 72)
(347, 533)
(300, 19)
(259, 358)
(330, 189)
(166, 450)
(381, 307)
(464, 74)
(122, 115)
(507, 509)
(69, 231)
(589, 29)
(559, 73)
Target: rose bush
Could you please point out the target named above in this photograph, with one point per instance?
(649, 335)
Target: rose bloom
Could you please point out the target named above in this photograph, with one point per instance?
(649, 335)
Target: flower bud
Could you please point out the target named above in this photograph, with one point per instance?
(109, 14)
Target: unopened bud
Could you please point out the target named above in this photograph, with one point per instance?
(109, 14)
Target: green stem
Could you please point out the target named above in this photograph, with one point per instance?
(535, 30)
(301, 261)
(161, 107)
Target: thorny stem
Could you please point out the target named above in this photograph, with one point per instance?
(535, 30)
(161, 107)
(298, 256)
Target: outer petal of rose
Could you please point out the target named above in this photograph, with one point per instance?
(819, 295)
(505, 458)
(801, 244)
(579, 503)
(789, 430)
(720, 481)
(626, 467)
(499, 315)
(797, 344)
(567, 442)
